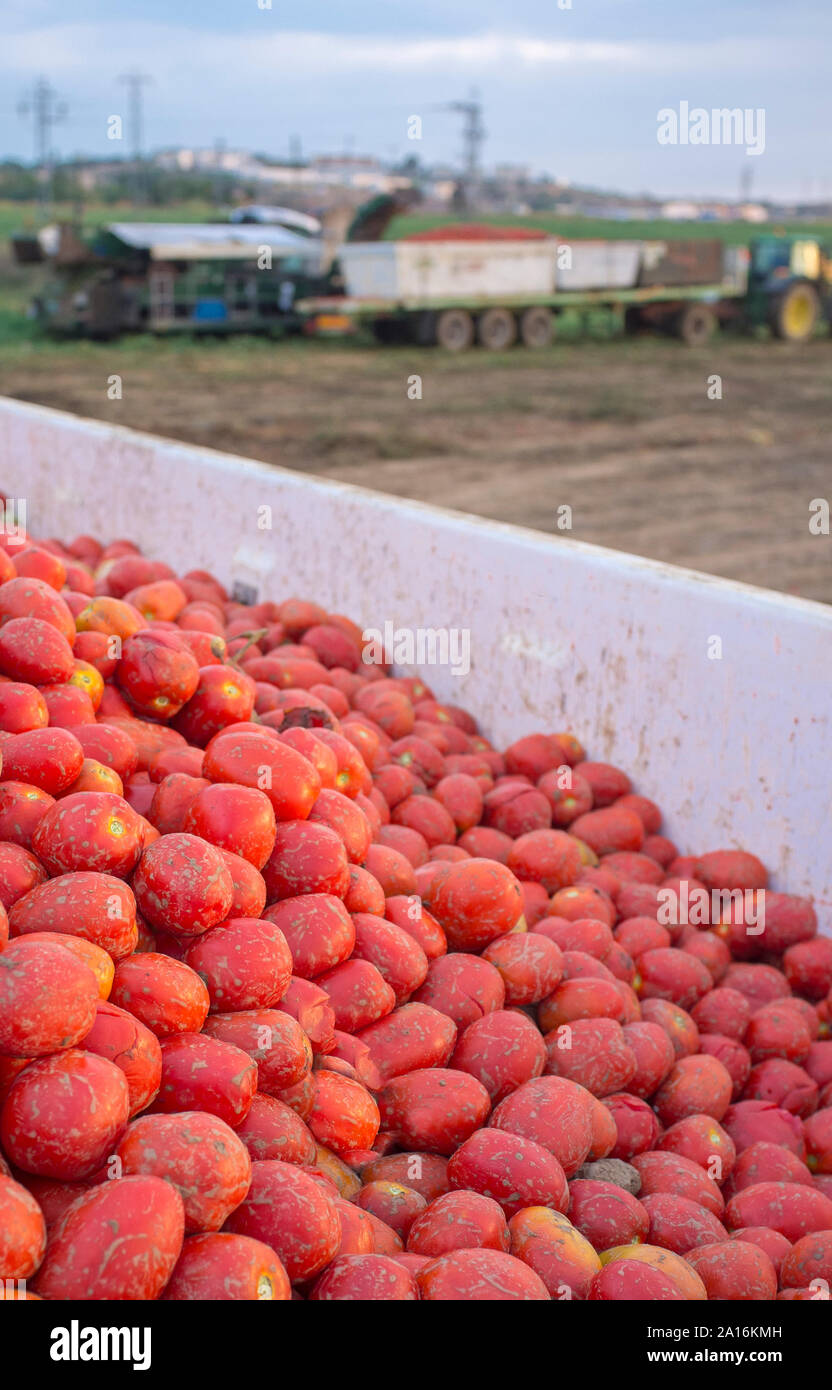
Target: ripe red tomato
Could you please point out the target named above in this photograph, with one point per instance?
(259, 760)
(182, 885)
(89, 830)
(158, 673)
(223, 696)
(47, 758)
(239, 819)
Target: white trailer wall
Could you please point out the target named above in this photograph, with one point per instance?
(624, 651)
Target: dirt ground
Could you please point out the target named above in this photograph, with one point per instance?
(622, 432)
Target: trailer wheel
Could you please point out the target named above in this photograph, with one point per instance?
(695, 324)
(497, 329)
(537, 327)
(794, 313)
(455, 330)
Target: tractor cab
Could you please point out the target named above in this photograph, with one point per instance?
(789, 285)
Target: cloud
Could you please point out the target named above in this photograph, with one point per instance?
(67, 49)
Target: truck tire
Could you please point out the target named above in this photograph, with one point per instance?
(497, 329)
(455, 330)
(537, 327)
(794, 313)
(695, 324)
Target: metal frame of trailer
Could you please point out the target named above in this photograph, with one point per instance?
(565, 299)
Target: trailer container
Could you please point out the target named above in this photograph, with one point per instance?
(735, 746)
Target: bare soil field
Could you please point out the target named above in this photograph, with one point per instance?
(623, 432)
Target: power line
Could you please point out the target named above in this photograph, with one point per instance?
(473, 137)
(135, 81)
(47, 111)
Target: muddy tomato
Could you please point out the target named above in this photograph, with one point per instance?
(239, 819)
(183, 885)
(157, 673)
(63, 1115)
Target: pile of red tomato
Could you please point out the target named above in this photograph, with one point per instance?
(306, 991)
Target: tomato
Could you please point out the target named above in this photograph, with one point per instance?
(64, 1114)
(97, 907)
(394, 953)
(344, 1115)
(258, 760)
(341, 814)
(221, 1266)
(203, 1159)
(21, 808)
(289, 1211)
(34, 600)
(110, 617)
(246, 964)
(22, 1231)
(20, 872)
(157, 673)
(182, 885)
(164, 994)
(306, 858)
(95, 777)
(365, 1277)
(34, 651)
(85, 1262)
(89, 830)
(22, 707)
(318, 929)
(50, 759)
(120, 1038)
(171, 800)
(480, 1275)
(275, 1041)
(248, 889)
(47, 998)
(475, 901)
(239, 819)
(223, 696)
(67, 705)
(433, 1109)
(272, 1129)
(203, 1073)
(93, 957)
(108, 745)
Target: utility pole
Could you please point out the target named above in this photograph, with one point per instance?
(134, 82)
(473, 136)
(219, 172)
(43, 106)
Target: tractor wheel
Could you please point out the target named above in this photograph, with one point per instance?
(537, 327)
(794, 313)
(695, 324)
(497, 329)
(455, 330)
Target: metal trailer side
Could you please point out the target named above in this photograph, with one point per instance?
(714, 695)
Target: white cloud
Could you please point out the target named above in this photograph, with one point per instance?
(65, 49)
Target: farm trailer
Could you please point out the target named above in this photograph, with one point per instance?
(454, 293)
(562, 634)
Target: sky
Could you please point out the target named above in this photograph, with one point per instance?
(574, 92)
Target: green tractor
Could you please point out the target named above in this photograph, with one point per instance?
(789, 286)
